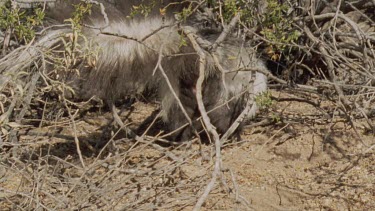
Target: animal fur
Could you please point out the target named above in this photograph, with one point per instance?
(126, 67)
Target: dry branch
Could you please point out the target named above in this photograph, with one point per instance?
(57, 167)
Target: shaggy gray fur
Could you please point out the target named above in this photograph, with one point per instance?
(127, 67)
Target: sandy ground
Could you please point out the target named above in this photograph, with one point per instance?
(304, 161)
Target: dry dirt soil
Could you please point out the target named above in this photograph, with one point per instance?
(305, 160)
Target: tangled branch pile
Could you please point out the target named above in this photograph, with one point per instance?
(63, 154)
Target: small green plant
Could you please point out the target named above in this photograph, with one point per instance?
(276, 117)
(186, 12)
(277, 28)
(264, 100)
(271, 17)
(231, 8)
(75, 50)
(19, 23)
(72, 47)
(183, 41)
(142, 9)
(80, 11)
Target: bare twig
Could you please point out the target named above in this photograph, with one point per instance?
(76, 140)
(211, 129)
(225, 32)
